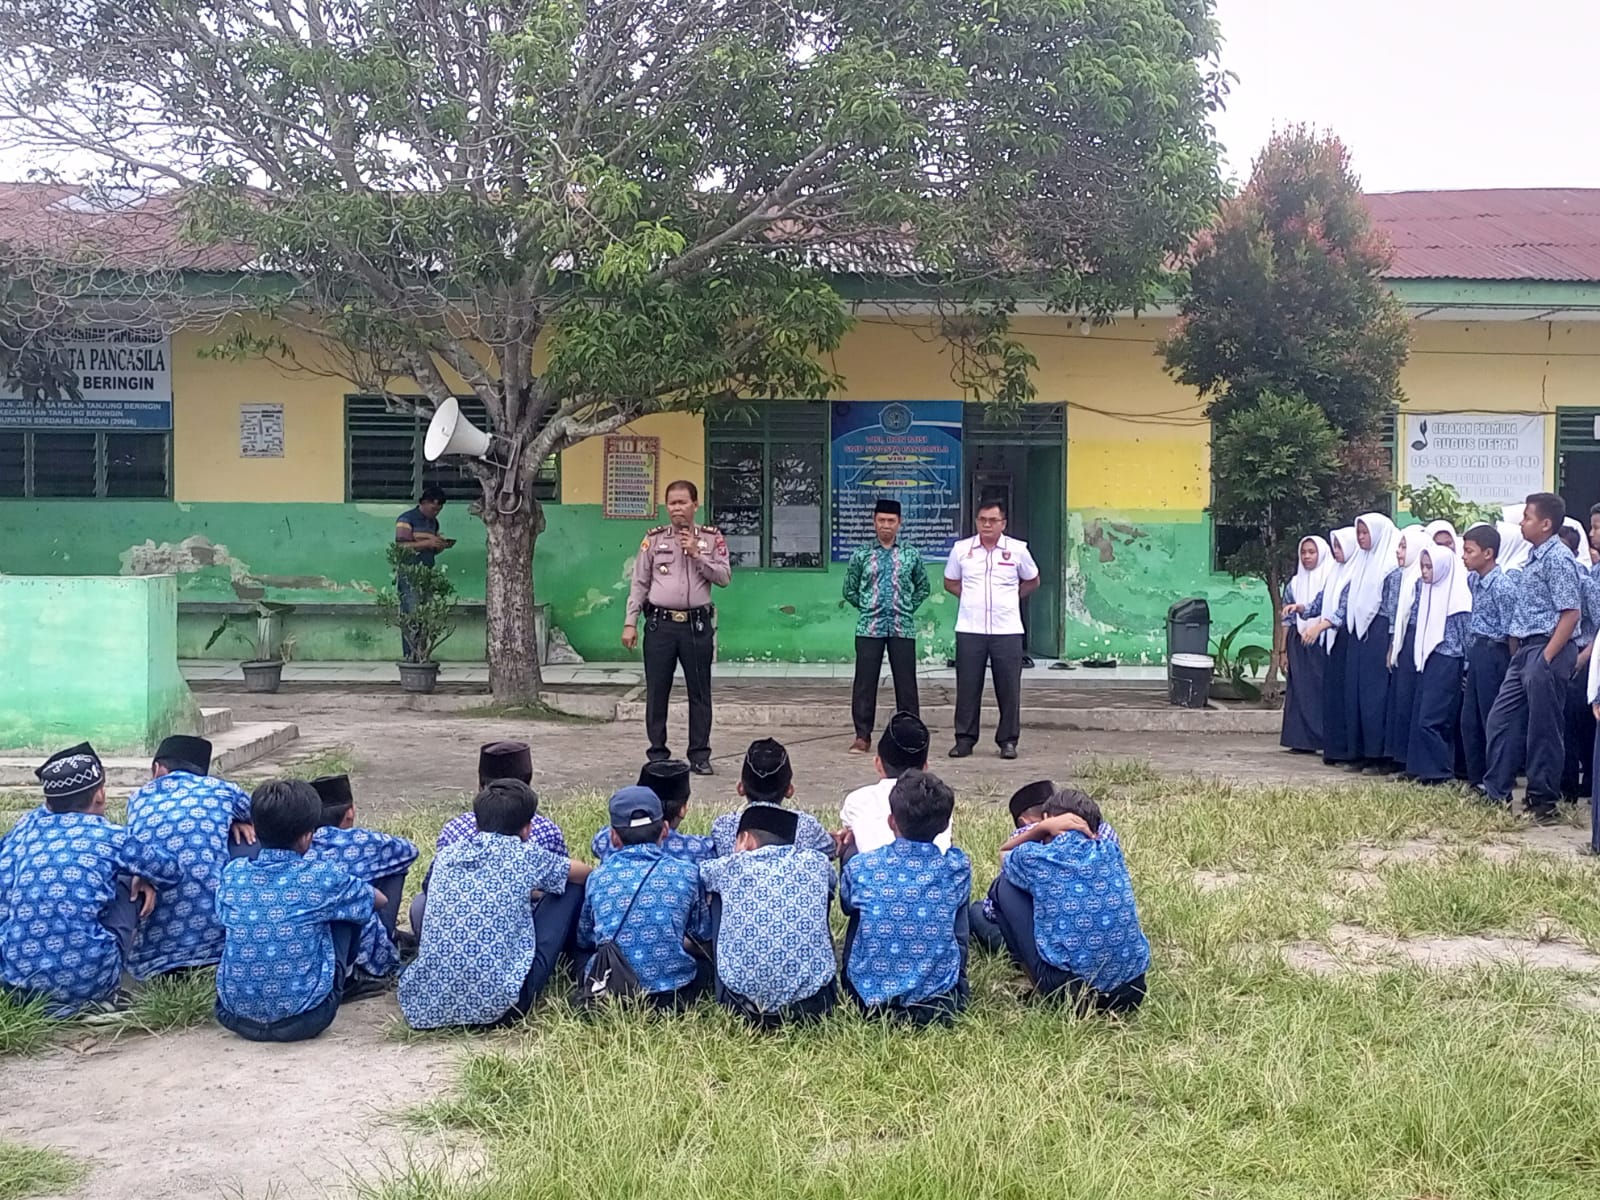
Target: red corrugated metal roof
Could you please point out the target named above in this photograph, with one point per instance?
(1511, 233)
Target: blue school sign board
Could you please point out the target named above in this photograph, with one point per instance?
(905, 450)
(124, 377)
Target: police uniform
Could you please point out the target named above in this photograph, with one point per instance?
(672, 592)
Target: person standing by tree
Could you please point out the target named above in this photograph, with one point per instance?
(990, 574)
(887, 583)
(672, 577)
(417, 529)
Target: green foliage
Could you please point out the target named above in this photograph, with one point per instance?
(1437, 500)
(34, 1171)
(1240, 668)
(432, 618)
(268, 640)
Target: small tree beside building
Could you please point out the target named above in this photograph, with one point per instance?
(1288, 330)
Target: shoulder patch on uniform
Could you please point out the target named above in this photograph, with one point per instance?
(710, 529)
(658, 529)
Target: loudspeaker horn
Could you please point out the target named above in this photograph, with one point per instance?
(451, 433)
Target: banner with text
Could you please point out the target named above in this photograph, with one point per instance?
(1489, 458)
(906, 450)
(124, 377)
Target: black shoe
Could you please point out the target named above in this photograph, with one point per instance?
(1357, 767)
(703, 767)
(1027, 661)
(1008, 750)
(363, 985)
(1544, 816)
(961, 750)
(406, 945)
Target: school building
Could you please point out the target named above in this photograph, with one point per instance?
(249, 481)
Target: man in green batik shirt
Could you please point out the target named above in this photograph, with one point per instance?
(888, 583)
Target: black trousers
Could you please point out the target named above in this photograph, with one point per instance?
(1527, 726)
(869, 664)
(306, 1025)
(1002, 653)
(666, 644)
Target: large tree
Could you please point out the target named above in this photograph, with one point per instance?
(31, 322)
(1288, 329)
(581, 212)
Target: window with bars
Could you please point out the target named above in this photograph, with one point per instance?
(767, 482)
(384, 459)
(1578, 459)
(51, 464)
(1227, 540)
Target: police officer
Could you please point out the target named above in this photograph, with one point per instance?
(672, 580)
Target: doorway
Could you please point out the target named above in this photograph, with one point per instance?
(1578, 460)
(1023, 465)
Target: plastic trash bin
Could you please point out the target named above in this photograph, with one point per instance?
(1190, 685)
(1188, 630)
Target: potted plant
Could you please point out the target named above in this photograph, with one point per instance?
(1234, 669)
(264, 672)
(426, 619)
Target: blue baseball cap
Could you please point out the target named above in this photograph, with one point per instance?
(634, 806)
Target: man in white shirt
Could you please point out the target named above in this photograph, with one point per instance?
(989, 574)
(903, 747)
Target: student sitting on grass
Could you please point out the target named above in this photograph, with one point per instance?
(73, 886)
(902, 747)
(769, 917)
(504, 760)
(650, 904)
(1027, 809)
(381, 859)
(293, 924)
(668, 778)
(768, 778)
(499, 910)
(1065, 907)
(905, 950)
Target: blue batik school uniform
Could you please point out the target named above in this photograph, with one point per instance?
(905, 948)
(691, 847)
(808, 835)
(383, 861)
(671, 905)
(66, 917)
(1431, 757)
(293, 926)
(1403, 677)
(1488, 656)
(1335, 718)
(1526, 727)
(188, 816)
(1579, 731)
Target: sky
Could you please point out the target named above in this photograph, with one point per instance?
(1424, 93)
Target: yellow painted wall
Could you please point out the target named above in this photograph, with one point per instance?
(1136, 440)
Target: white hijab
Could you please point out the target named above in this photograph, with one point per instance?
(1444, 527)
(1306, 585)
(1447, 595)
(1410, 578)
(1581, 554)
(1370, 569)
(1514, 549)
(1345, 538)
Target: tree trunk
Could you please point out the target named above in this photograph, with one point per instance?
(508, 594)
(1270, 686)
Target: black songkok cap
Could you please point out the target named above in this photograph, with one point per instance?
(1030, 795)
(180, 752)
(781, 823)
(885, 505)
(668, 778)
(766, 773)
(505, 760)
(71, 772)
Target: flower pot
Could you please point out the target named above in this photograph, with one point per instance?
(418, 677)
(262, 676)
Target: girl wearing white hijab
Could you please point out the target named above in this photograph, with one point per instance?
(1451, 541)
(1444, 612)
(1367, 677)
(1333, 601)
(1403, 673)
(1302, 702)
(1514, 548)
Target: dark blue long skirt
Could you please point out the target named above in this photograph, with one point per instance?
(1302, 702)
(1432, 754)
(1335, 720)
(1366, 690)
(1402, 700)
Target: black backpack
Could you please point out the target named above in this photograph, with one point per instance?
(609, 975)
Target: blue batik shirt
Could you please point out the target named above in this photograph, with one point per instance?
(278, 961)
(369, 856)
(1389, 600)
(478, 937)
(774, 946)
(1548, 588)
(1457, 628)
(808, 835)
(671, 905)
(1588, 608)
(542, 832)
(1084, 917)
(1314, 609)
(910, 899)
(1107, 834)
(58, 871)
(187, 816)
(691, 847)
(1492, 597)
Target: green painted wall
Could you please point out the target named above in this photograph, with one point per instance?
(91, 658)
(1123, 569)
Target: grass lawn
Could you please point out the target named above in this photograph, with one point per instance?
(1241, 1077)
(25, 1171)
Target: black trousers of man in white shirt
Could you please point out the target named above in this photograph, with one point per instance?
(1002, 654)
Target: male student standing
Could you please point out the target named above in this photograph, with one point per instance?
(1488, 655)
(1526, 724)
(887, 583)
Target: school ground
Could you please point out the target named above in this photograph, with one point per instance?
(1358, 990)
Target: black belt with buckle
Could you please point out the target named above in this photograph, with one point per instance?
(679, 615)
